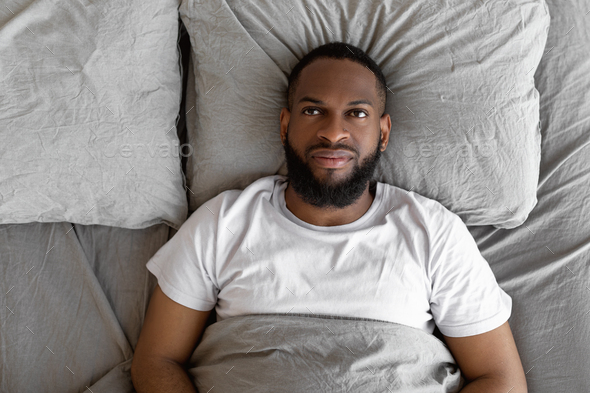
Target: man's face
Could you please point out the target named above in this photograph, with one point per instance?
(329, 119)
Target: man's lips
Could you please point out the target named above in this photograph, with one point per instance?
(332, 162)
(332, 158)
(332, 154)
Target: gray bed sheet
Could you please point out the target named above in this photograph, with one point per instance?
(544, 264)
(73, 299)
(322, 354)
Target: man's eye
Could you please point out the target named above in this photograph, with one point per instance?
(363, 113)
(309, 109)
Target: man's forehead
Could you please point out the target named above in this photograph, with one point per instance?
(339, 80)
(313, 100)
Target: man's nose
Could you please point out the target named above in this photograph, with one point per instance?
(333, 129)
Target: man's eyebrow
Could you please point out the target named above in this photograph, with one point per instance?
(320, 102)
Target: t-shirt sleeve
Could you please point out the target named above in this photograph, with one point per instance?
(466, 299)
(184, 266)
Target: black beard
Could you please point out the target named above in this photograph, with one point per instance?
(322, 194)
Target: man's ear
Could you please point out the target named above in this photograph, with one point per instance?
(385, 124)
(285, 116)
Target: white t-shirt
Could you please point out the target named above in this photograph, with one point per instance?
(407, 260)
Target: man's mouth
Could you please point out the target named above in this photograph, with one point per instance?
(332, 162)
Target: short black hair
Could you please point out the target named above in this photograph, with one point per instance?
(338, 50)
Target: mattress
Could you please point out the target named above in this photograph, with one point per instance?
(74, 304)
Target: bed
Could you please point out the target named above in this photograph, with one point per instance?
(90, 187)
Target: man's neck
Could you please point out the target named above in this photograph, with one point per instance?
(329, 216)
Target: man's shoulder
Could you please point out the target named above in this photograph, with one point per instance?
(427, 207)
(259, 188)
(227, 201)
(410, 196)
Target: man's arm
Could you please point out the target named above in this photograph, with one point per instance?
(168, 337)
(489, 361)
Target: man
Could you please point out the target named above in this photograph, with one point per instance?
(328, 240)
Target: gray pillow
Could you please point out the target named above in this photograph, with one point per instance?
(462, 99)
(90, 93)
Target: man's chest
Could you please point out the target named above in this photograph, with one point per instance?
(354, 276)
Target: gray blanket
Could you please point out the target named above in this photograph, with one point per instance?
(303, 353)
